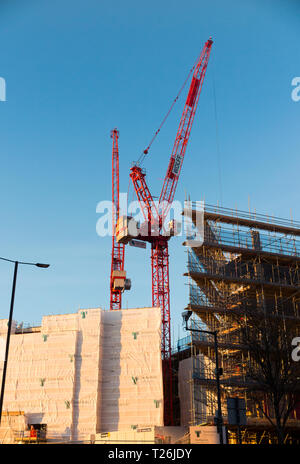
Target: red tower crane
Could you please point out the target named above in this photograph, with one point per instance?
(118, 249)
(153, 229)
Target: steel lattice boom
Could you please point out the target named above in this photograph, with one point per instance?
(118, 249)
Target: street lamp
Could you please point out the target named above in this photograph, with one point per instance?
(186, 316)
(16, 263)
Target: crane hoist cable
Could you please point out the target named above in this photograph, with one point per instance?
(145, 152)
(217, 135)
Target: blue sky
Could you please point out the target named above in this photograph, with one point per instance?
(76, 69)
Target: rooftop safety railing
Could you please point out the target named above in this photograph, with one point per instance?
(235, 213)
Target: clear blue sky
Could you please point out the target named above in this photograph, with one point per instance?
(76, 69)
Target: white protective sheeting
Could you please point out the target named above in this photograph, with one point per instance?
(185, 391)
(12, 425)
(196, 402)
(88, 372)
(144, 435)
(40, 379)
(132, 388)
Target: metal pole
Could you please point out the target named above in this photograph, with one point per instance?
(220, 417)
(8, 337)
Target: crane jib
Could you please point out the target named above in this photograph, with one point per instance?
(155, 217)
(193, 92)
(177, 163)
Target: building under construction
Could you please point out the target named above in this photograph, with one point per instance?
(244, 260)
(92, 376)
(82, 374)
(96, 376)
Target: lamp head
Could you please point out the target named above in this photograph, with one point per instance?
(186, 315)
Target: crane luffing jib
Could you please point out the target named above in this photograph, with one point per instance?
(155, 215)
(115, 179)
(151, 211)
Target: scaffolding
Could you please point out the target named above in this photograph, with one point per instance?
(246, 260)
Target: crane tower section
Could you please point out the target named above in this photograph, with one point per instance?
(118, 281)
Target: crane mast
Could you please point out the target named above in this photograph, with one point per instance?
(155, 216)
(118, 249)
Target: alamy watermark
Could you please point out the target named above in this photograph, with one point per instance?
(2, 89)
(180, 219)
(296, 350)
(296, 90)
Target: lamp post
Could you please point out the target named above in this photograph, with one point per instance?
(186, 315)
(16, 263)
